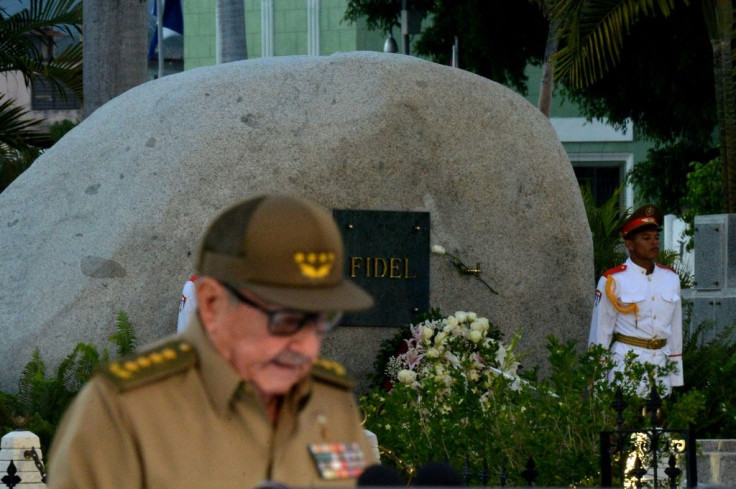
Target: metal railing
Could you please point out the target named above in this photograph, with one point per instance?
(635, 457)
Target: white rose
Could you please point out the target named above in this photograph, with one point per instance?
(461, 316)
(406, 376)
(477, 326)
(428, 332)
(451, 320)
(438, 249)
(475, 336)
(433, 353)
(440, 338)
(485, 322)
(472, 316)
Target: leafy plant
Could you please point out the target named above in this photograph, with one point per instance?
(464, 403)
(710, 368)
(605, 223)
(704, 194)
(42, 399)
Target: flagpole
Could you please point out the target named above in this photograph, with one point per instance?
(160, 34)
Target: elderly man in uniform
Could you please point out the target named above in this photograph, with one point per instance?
(240, 397)
(637, 304)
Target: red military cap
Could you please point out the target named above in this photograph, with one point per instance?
(645, 217)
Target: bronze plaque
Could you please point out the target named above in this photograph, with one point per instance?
(387, 253)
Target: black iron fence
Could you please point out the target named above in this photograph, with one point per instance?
(487, 477)
(648, 457)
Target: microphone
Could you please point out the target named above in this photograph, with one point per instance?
(438, 474)
(380, 475)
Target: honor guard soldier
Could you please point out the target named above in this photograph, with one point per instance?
(637, 304)
(240, 398)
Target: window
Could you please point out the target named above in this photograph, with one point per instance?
(45, 97)
(603, 180)
(604, 172)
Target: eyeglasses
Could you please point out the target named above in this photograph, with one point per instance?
(286, 322)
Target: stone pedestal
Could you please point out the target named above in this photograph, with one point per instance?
(717, 462)
(13, 447)
(714, 294)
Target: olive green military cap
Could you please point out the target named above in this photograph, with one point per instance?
(286, 250)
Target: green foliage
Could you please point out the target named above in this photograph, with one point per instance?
(710, 371)
(675, 100)
(58, 129)
(672, 260)
(704, 193)
(124, 337)
(605, 223)
(26, 38)
(596, 27)
(42, 398)
(427, 416)
(664, 177)
(498, 39)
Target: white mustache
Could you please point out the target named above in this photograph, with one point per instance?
(292, 359)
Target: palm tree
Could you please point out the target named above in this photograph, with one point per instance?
(116, 45)
(593, 32)
(231, 44)
(719, 21)
(26, 38)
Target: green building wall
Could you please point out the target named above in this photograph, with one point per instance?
(290, 31)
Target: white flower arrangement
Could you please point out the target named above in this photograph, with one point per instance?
(459, 344)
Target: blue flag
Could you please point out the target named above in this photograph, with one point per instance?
(172, 19)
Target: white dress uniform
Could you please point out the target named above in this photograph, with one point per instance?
(187, 304)
(656, 317)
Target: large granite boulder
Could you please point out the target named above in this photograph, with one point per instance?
(109, 219)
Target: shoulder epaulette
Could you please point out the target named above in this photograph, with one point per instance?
(613, 270)
(149, 365)
(332, 373)
(666, 268)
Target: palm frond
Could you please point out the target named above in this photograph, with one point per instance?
(672, 259)
(605, 223)
(64, 72)
(17, 131)
(593, 33)
(23, 35)
(14, 162)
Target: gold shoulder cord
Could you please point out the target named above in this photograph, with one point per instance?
(611, 294)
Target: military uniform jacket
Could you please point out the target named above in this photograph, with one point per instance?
(185, 419)
(658, 299)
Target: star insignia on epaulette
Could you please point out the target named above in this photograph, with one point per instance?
(149, 365)
(332, 373)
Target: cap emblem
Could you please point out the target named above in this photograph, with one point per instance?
(314, 264)
(649, 211)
